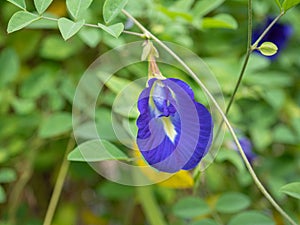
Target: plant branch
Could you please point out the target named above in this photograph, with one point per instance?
(150, 206)
(254, 46)
(230, 128)
(59, 184)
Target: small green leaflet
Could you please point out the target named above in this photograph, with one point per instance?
(55, 124)
(292, 189)
(19, 3)
(220, 21)
(7, 175)
(69, 28)
(287, 4)
(42, 5)
(204, 222)
(112, 8)
(78, 7)
(278, 3)
(20, 20)
(190, 207)
(96, 150)
(203, 7)
(90, 36)
(114, 30)
(251, 218)
(232, 202)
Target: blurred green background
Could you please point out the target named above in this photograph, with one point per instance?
(39, 72)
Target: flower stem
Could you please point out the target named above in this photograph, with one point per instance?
(230, 128)
(150, 206)
(59, 184)
(254, 46)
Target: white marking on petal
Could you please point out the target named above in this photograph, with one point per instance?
(169, 128)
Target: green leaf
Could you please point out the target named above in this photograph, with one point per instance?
(112, 8)
(232, 156)
(90, 36)
(125, 97)
(78, 7)
(55, 48)
(283, 134)
(114, 30)
(203, 7)
(68, 28)
(182, 5)
(9, 64)
(55, 124)
(269, 78)
(288, 4)
(2, 195)
(20, 20)
(275, 97)
(42, 5)
(19, 3)
(96, 150)
(150, 206)
(292, 189)
(205, 222)
(175, 14)
(7, 175)
(278, 3)
(268, 48)
(251, 218)
(190, 207)
(114, 191)
(219, 21)
(232, 202)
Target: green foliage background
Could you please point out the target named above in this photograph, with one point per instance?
(38, 76)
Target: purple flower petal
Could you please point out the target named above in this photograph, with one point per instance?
(174, 131)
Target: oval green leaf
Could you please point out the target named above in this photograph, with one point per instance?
(112, 8)
(19, 3)
(220, 21)
(10, 65)
(114, 30)
(68, 28)
(90, 36)
(231, 156)
(251, 218)
(42, 5)
(232, 202)
(205, 222)
(288, 4)
(20, 20)
(203, 7)
(96, 150)
(7, 175)
(292, 189)
(190, 207)
(78, 7)
(55, 124)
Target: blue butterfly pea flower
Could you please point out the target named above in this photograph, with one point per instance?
(279, 34)
(174, 131)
